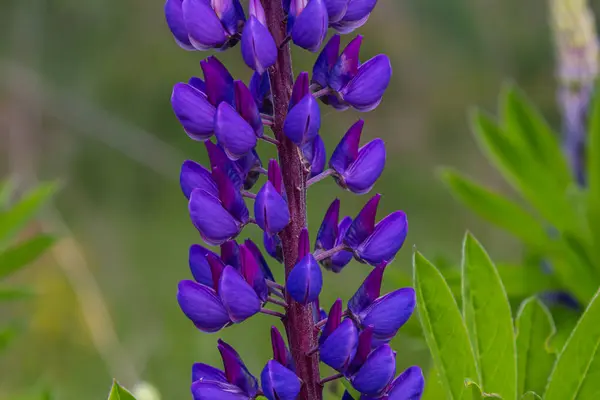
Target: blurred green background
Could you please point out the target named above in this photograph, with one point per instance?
(84, 98)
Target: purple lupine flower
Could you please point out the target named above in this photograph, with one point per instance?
(374, 373)
(349, 15)
(262, 263)
(273, 246)
(308, 23)
(253, 273)
(409, 385)
(330, 235)
(247, 108)
(357, 168)
(238, 297)
(279, 382)
(281, 353)
(202, 306)
(249, 167)
(305, 281)
(221, 217)
(204, 25)
(260, 86)
(315, 155)
(353, 84)
(338, 340)
(384, 314)
(233, 132)
(270, 207)
(195, 176)
(199, 265)
(303, 121)
(243, 172)
(258, 47)
(375, 243)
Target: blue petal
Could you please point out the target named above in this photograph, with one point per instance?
(198, 84)
(303, 122)
(249, 167)
(210, 390)
(367, 168)
(377, 372)
(260, 86)
(207, 373)
(236, 371)
(273, 246)
(300, 90)
(328, 231)
(388, 313)
(347, 150)
(271, 210)
(253, 274)
(202, 306)
(259, 257)
(305, 281)
(193, 111)
(230, 254)
(334, 319)
(278, 382)
(314, 152)
(358, 9)
(231, 14)
(258, 47)
(280, 351)
(231, 198)
(369, 291)
(342, 258)
(247, 108)
(238, 297)
(345, 27)
(310, 27)
(203, 25)
(339, 348)
(199, 265)
(213, 222)
(365, 90)
(235, 134)
(336, 9)
(219, 82)
(409, 385)
(219, 160)
(174, 16)
(195, 176)
(326, 60)
(346, 66)
(385, 241)
(363, 225)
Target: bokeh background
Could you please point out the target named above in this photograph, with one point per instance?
(84, 99)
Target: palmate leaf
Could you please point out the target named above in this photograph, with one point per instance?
(488, 318)
(118, 392)
(576, 373)
(535, 328)
(444, 330)
(20, 255)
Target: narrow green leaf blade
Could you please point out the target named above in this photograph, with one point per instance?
(24, 253)
(522, 281)
(434, 390)
(117, 392)
(531, 396)
(496, 209)
(535, 328)
(488, 318)
(477, 393)
(351, 391)
(444, 329)
(13, 219)
(576, 373)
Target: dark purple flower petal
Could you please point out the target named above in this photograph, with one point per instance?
(365, 340)
(211, 390)
(174, 16)
(198, 84)
(202, 306)
(238, 297)
(253, 273)
(328, 231)
(367, 168)
(199, 265)
(385, 241)
(365, 90)
(305, 281)
(377, 371)
(280, 351)
(260, 86)
(215, 223)
(231, 14)
(339, 260)
(303, 122)
(204, 27)
(359, 9)
(315, 154)
(219, 160)
(346, 66)
(193, 111)
(339, 347)
(247, 108)
(250, 245)
(274, 175)
(369, 291)
(303, 244)
(278, 382)
(230, 254)
(236, 371)
(250, 168)
(336, 9)
(270, 210)
(258, 47)
(334, 319)
(219, 82)
(347, 150)
(195, 176)
(273, 246)
(301, 88)
(310, 26)
(231, 198)
(363, 225)
(409, 385)
(233, 132)
(388, 313)
(216, 269)
(326, 60)
(207, 373)
(345, 27)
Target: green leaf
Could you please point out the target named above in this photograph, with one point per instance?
(117, 392)
(16, 217)
(477, 393)
(6, 190)
(531, 396)
(12, 294)
(353, 392)
(576, 372)
(444, 329)
(6, 336)
(496, 209)
(535, 328)
(24, 253)
(433, 387)
(488, 318)
(593, 174)
(521, 281)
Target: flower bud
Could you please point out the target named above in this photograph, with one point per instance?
(305, 281)
(308, 23)
(270, 208)
(258, 47)
(303, 121)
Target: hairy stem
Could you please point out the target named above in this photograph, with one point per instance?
(299, 321)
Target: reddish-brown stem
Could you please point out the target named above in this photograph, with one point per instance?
(299, 321)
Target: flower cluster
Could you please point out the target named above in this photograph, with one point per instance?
(235, 283)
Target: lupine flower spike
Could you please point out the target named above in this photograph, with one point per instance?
(235, 282)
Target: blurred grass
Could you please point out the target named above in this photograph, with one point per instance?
(131, 222)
